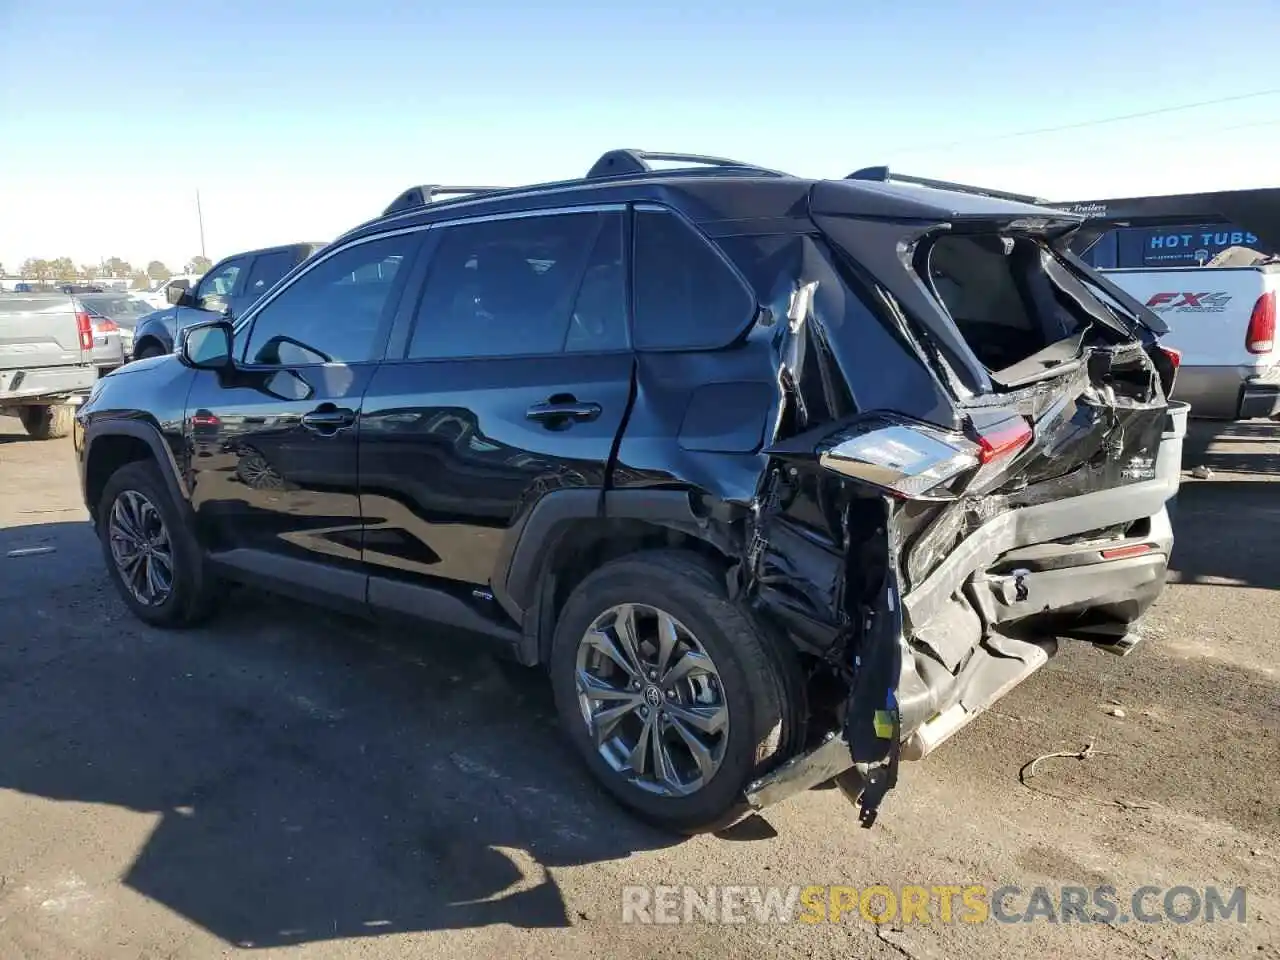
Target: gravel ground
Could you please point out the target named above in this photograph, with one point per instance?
(302, 785)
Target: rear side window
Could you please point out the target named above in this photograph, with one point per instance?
(266, 270)
(524, 287)
(686, 296)
(999, 295)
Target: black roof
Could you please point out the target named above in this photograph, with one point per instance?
(716, 189)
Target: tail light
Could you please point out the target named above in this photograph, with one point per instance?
(1261, 336)
(105, 325)
(1174, 355)
(909, 460)
(84, 326)
(916, 461)
(1003, 441)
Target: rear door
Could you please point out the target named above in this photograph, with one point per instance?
(511, 379)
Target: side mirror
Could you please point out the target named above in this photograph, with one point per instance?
(206, 346)
(178, 293)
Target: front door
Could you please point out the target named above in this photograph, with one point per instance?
(273, 442)
(513, 381)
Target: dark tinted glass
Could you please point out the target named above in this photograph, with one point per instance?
(599, 320)
(524, 287)
(267, 269)
(333, 312)
(686, 296)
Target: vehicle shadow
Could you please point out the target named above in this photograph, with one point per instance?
(314, 777)
(1251, 446)
(1214, 519)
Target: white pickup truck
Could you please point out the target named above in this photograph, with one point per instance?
(47, 361)
(1168, 253)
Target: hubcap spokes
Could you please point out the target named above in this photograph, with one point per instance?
(652, 699)
(140, 548)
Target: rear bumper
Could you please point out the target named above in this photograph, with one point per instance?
(1229, 393)
(1014, 577)
(971, 630)
(1260, 396)
(19, 387)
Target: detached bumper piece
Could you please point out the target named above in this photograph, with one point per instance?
(993, 669)
(990, 673)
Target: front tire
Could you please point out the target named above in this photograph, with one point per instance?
(148, 350)
(151, 554)
(672, 695)
(47, 421)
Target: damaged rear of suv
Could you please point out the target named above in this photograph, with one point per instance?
(1023, 506)
(782, 480)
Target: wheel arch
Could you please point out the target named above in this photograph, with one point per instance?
(569, 533)
(112, 444)
(149, 339)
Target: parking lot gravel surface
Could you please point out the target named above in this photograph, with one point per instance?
(287, 783)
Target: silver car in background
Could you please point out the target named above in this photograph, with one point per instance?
(114, 315)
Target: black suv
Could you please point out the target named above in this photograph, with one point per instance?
(226, 291)
(782, 480)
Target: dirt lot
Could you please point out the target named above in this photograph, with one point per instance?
(305, 786)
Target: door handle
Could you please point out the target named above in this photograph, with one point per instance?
(552, 411)
(328, 419)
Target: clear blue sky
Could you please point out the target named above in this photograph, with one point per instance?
(298, 119)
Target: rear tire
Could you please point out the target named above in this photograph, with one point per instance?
(136, 507)
(746, 679)
(47, 421)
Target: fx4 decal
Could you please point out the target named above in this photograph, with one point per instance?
(1189, 302)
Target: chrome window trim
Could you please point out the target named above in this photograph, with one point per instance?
(489, 198)
(270, 298)
(309, 265)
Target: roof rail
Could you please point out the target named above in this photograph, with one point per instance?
(622, 162)
(420, 196)
(883, 175)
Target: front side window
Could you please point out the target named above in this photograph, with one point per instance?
(334, 312)
(524, 287)
(221, 281)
